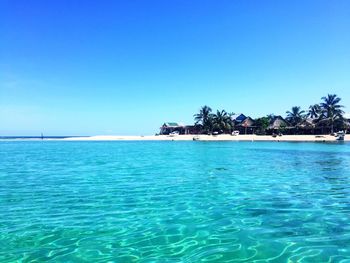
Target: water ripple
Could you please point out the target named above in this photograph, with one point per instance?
(166, 202)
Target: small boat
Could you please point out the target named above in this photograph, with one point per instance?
(235, 133)
(196, 138)
(340, 136)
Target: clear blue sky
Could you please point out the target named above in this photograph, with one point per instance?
(125, 67)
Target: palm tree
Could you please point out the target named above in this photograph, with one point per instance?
(332, 111)
(204, 118)
(295, 115)
(314, 111)
(231, 114)
(222, 121)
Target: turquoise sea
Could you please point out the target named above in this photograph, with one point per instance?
(63, 201)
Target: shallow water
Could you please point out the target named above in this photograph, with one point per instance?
(174, 202)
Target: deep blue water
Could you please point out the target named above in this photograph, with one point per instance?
(65, 201)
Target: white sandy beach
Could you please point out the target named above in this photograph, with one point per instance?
(222, 137)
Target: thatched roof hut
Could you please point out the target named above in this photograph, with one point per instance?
(247, 122)
(307, 123)
(238, 118)
(277, 122)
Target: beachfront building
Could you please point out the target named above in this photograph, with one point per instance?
(169, 127)
(278, 125)
(310, 126)
(323, 126)
(238, 118)
(306, 126)
(192, 129)
(246, 126)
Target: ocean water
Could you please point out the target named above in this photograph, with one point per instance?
(64, 201)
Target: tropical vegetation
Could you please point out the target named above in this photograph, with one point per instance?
(295, 116)
(222, 121)
(331, 110)
(204, 119)
(324, 117)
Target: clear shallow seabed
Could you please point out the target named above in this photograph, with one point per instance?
(174, 202)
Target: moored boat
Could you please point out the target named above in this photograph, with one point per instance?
(340, 136)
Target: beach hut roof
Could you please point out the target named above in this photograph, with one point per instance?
(172, 124)
(306, 123)
(238, 117)
(248, 122)
(277, 122)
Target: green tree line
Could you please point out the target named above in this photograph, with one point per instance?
(326, 114)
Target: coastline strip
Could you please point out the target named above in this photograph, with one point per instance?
(222, 137)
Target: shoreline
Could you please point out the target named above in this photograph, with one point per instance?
(222, 137)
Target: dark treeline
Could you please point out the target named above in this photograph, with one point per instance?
(324, 117)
